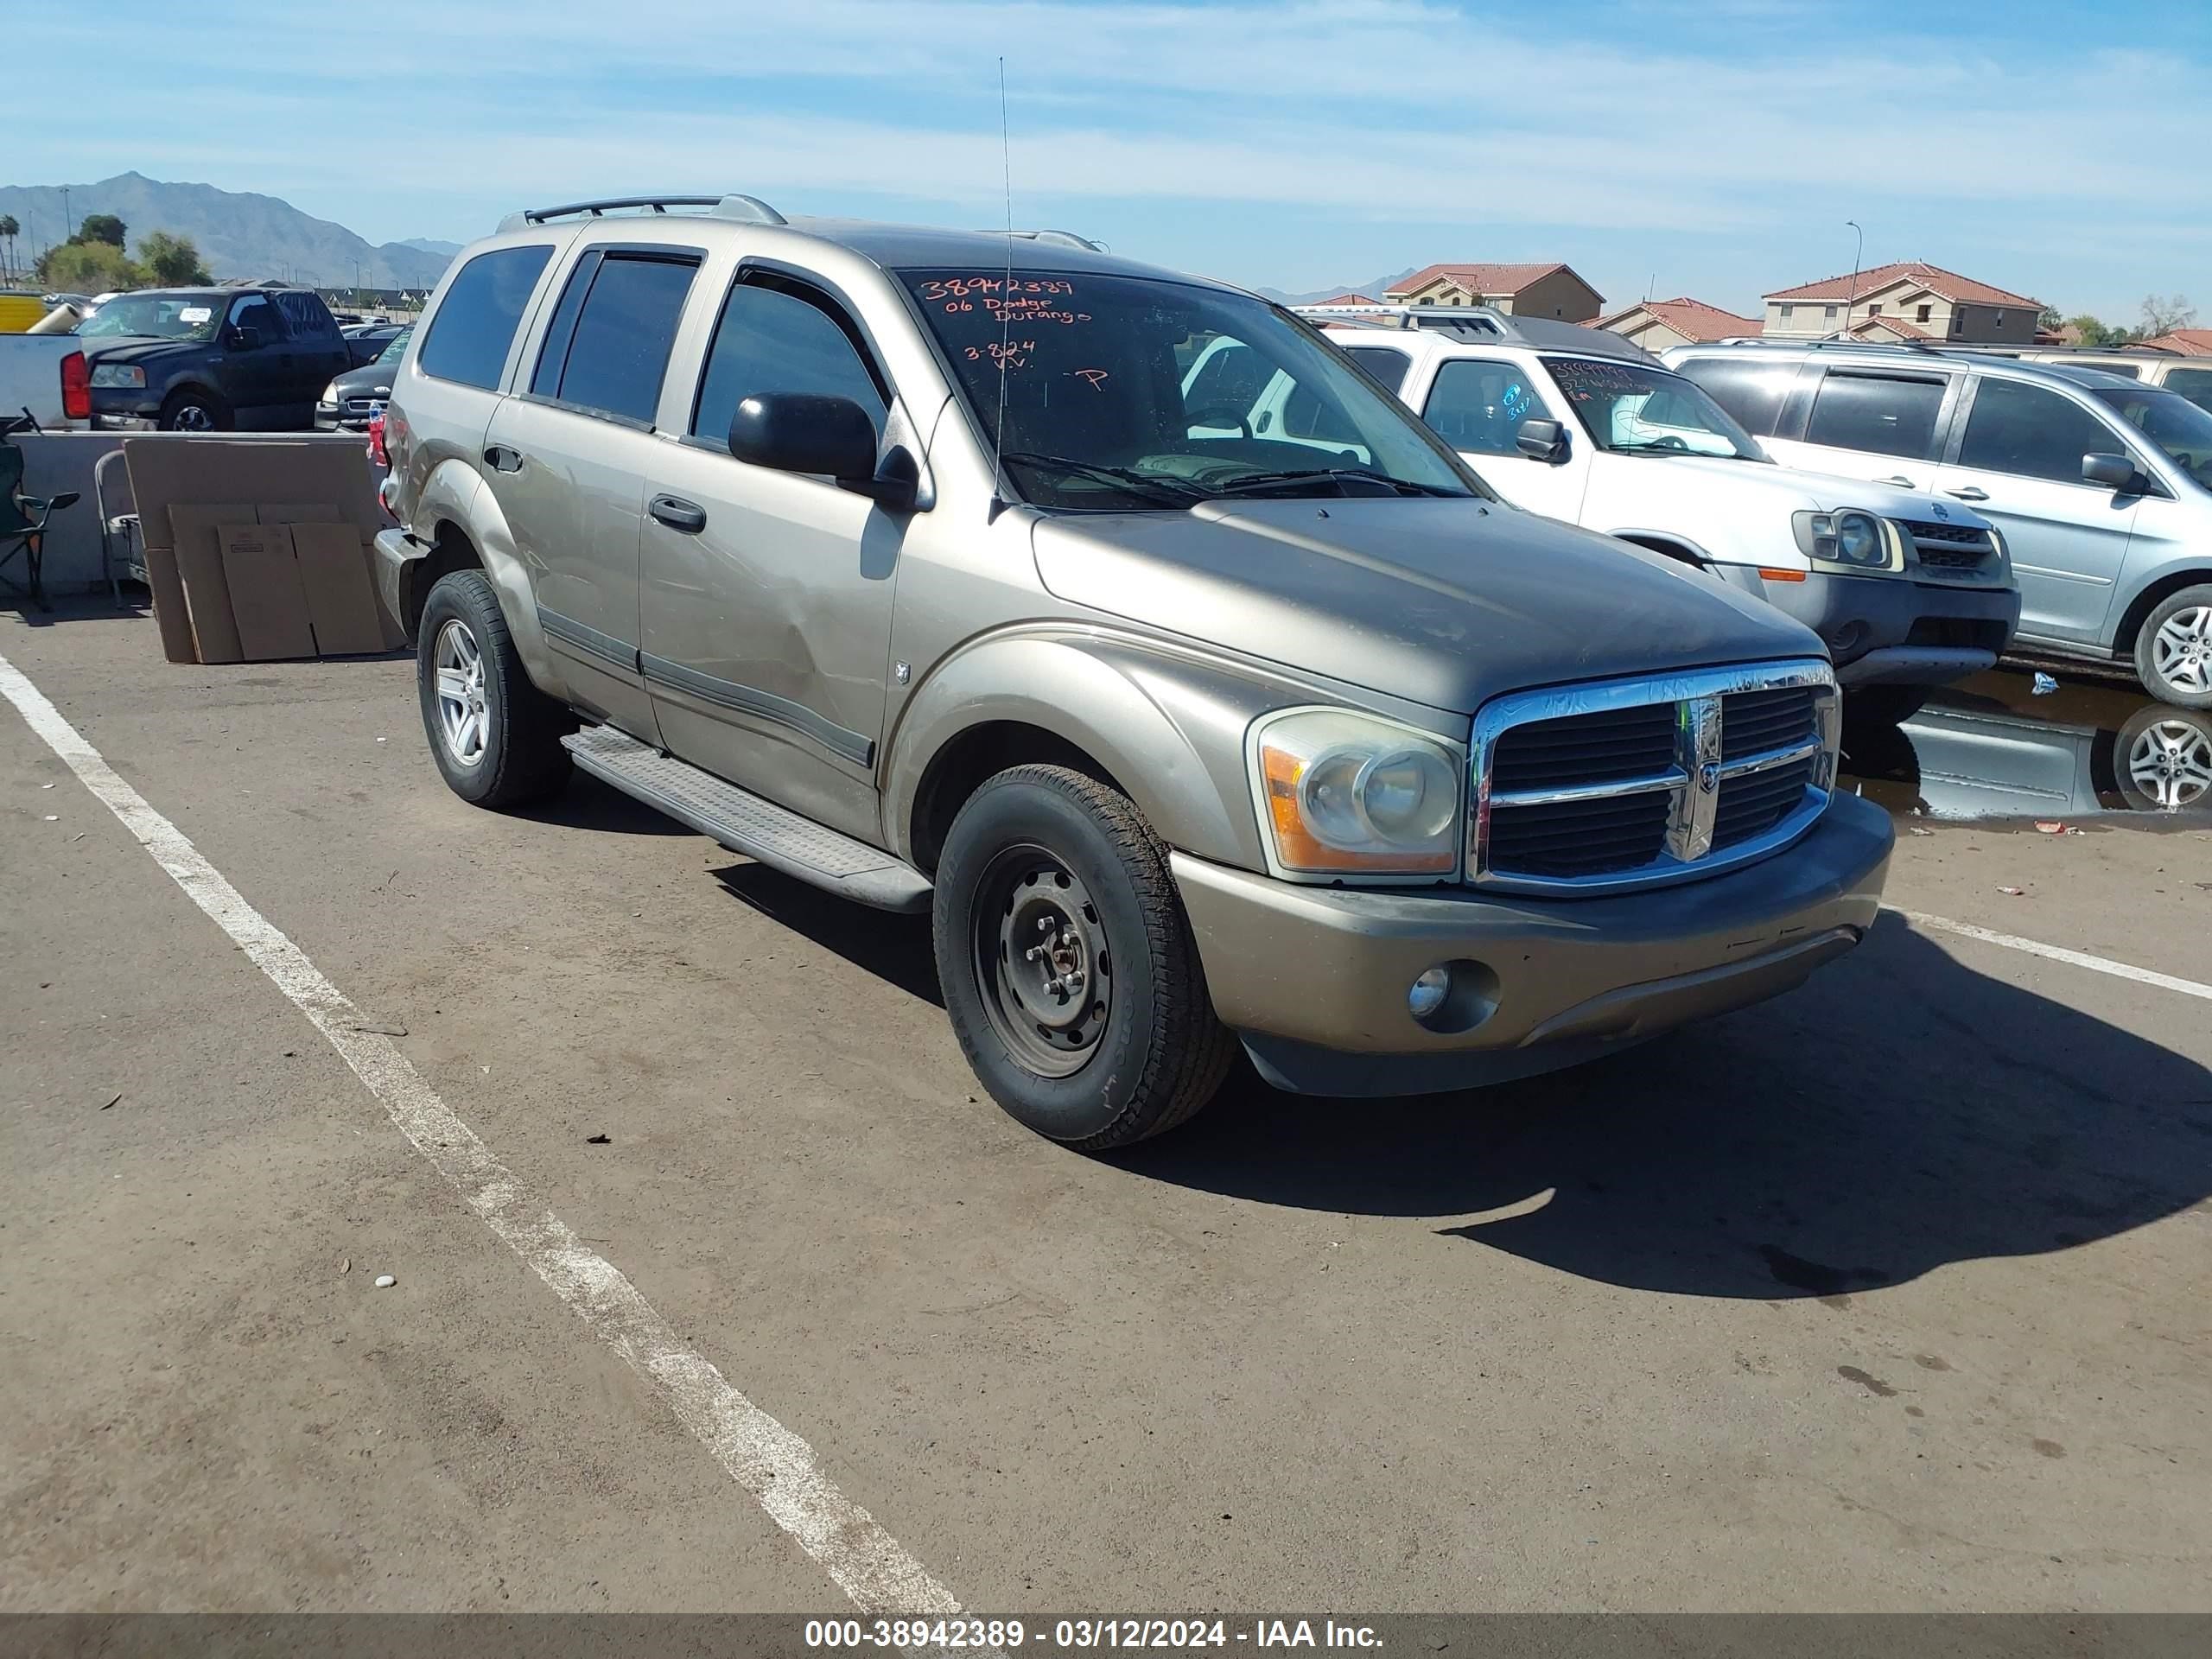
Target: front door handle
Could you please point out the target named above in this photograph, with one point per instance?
(1898, 478)
(501, 459)
(679, 514)
(1969, 493)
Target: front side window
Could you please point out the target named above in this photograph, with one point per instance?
(1126, 392)
(256, 313)
(1751, 392)
(625, 325)
(1634, 410)
(1476, 404)
(1876, 414)
(770, 340)
(2032, 432)
(475, 323)
(2179, 428)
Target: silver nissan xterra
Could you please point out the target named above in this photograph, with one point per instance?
(898, 560)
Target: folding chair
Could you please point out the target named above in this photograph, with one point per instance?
(118, 511)
(23, 521)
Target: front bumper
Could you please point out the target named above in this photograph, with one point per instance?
(1314, 979)
(125, 408)
(1894, 630)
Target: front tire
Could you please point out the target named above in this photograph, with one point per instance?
(194, 410)
(495, 736)
(2173, 649)
(1067, 963)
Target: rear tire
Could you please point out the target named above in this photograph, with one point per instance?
(2173, 649)
(194, 410)
(495, 736)
(1067, 963)
(1885, 705)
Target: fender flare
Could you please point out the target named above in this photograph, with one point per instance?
(1169, 729)
(455, 494)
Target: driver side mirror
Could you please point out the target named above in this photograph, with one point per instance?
(805, 432)
(2108, 472)
(244, 338)
(1541, 439)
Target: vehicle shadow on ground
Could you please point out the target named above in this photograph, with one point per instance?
(1900, 1113)
(68, 607)
(588, 803)
(895, 948)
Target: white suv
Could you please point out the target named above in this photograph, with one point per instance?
(1909, 593)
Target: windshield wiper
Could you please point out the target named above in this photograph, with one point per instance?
(1252, 483)
(1170, 490)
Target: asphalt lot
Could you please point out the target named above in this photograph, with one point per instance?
(1890, 1294)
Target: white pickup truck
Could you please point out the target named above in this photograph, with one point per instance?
(45, 374)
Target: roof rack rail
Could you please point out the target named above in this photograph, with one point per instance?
(1484, 322)
(1055, 239)
(750, 209)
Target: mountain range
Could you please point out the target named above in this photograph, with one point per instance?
(238, 235)
(1372, 289)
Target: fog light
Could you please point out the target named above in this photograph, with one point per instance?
(1428, 993)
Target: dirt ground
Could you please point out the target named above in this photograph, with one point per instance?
(1889, 1294)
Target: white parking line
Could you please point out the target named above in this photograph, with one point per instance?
(779, 1468)
(2058, 953)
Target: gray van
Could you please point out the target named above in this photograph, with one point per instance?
(2100, 485)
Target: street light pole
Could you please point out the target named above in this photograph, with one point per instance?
(1858, 259)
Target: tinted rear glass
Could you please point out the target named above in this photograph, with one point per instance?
(1876, 415)
(624, 332)
(476, 322)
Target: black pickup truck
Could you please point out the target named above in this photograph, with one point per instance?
(207, 359)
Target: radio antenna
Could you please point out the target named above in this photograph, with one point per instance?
(1006, 295)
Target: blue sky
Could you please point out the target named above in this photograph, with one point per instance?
(1712, 148)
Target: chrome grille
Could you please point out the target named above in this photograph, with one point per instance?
(1629, 783)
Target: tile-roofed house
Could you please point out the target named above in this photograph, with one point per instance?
(1939, 304)
(2184, 342)
(1349, 299)
(1896, 328)
(1527, 291)
(1657, 324)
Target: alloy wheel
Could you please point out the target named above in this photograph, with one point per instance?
(2171, 761)
(463, 717)
(2181, 651)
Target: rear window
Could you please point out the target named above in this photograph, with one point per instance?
(476, 322)
(625, 326)
(1876, 414)
(1753, 392)
(2195, 384)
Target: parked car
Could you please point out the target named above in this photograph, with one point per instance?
(904, 568)
(2101, 486)
(2189, 376)
(195, 359)
(368, 341)
(349, 402)
(1907, 593)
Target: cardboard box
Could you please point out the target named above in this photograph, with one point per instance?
(195, 536)
(267, 602)
(169, 613)
(341, 600)
(285, 512)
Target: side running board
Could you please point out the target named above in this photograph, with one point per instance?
(744, 823)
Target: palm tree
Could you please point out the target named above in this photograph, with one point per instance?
(8, 229)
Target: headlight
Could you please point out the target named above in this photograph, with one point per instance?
(1341, 793)
(330, 393)
(117, 375)
(1857, 542)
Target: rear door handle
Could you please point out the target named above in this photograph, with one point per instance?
(679, 514)
(501, 459)
(1898, 478)
(1969, 493)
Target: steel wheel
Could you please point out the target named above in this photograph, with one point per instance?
(2181, 651)
(1042, 961)
(463, 722)
(2171, 761)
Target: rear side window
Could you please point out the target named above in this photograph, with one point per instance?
(1876, 414)
(310, 317)
(769, 340)
(1753, 392)
(2195, 384)
(477, 320)
(1385, 365)
(2032, 432)
(625, 322)
(1478, 405)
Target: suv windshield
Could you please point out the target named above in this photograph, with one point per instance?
(156, 316)
(395, 349)
(2178, 427)
(1635, 411)
(1124, 392)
